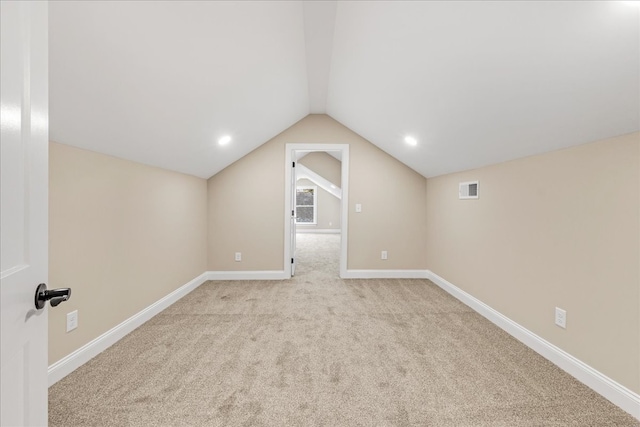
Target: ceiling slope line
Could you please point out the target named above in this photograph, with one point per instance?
(303, 172)
(319, 24)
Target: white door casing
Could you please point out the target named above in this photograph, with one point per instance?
(23, 212)
(294, 180)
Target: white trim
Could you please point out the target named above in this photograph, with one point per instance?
(303, 230)
(385, 274)
(290, 154)
(618, 394)
(344, 220)
(73, 361)
(247, 275)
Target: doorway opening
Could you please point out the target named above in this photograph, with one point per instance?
(303, 186)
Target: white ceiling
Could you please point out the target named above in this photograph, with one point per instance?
(475, 83)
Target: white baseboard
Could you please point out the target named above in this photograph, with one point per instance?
(73, 361)
(385, 274)
(619, 395)
(247, 275)
(317, 230)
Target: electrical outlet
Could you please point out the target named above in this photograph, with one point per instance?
(238, 256)
(561, 318)
(384, 255)
(72, 320)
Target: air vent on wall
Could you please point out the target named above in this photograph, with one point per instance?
(468, 190)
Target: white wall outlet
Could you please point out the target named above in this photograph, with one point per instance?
(238, 256)
(384, 255)
(358, 207)
(72, 320)
(561, 318)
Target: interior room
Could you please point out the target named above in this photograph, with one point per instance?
(318, 207)
(321, 213)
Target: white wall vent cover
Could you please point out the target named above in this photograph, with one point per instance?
(468, 190)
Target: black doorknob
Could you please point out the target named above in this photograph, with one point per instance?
(55, 296)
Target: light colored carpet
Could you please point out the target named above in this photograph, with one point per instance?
(321, 351)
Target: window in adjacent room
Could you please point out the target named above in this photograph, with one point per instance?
(306, 205)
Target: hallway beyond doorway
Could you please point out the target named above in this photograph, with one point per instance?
(318, 252)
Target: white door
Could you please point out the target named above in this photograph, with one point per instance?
(23, 212)
(293, 217)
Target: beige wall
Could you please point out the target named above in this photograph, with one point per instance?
(324, 165)
(393, 198)
(559, 229)
(330, 168)
(122, 236)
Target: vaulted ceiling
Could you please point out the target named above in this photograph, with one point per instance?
(475, 83)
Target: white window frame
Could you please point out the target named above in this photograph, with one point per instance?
(315, 204)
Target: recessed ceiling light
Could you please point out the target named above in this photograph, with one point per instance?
(411, 141)
(224, 140)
